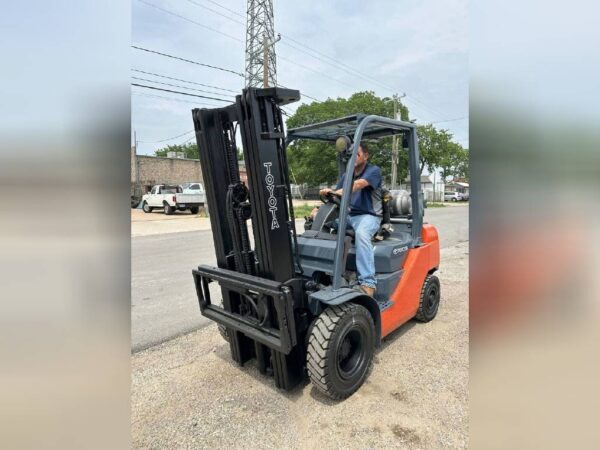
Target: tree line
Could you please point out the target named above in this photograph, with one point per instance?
(314, 163)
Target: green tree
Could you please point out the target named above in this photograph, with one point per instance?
(315, 162)
(190, 150)
(461, 169)
(455, 162)
(435, 147)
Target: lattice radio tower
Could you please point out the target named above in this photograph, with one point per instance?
(261, 63)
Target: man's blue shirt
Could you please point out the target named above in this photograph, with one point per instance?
(368, 199)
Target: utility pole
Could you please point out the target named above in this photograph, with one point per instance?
(395, 142)
(265, 61)
(266, 44)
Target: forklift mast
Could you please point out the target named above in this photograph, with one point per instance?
(255, 298)
(265, 200)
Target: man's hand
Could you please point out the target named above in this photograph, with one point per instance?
(324, 192)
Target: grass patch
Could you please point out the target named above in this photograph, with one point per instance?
(435, 205)
(303, 210)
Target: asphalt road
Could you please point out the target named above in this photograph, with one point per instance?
(163, 299)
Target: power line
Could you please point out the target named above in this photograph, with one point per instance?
(451, 120)
(411, 96)
(218, 13)
(338, 64)
(172, 99)
(152, 5)
(184, 81)
(239, 40)
(227, 9)
(205, 85)
(222, 15)
(178, 92)
(243, 24)
(167, 139)
(179, 86)
(317, 72)
(188, 60)
(190, 139)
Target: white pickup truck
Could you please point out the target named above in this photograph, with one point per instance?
(172, 198)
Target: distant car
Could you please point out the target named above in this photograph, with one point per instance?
(171, 198)
(452, 196)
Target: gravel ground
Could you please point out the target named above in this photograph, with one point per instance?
(187, 393)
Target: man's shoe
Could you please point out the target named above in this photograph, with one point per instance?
(365, 290)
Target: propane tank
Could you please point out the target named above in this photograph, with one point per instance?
(401, 203)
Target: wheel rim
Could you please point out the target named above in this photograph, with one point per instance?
(351, 353)
(146, 207)
(432, 300)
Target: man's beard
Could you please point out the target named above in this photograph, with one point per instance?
(359, 167)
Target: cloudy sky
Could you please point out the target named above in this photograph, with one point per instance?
(387, 46)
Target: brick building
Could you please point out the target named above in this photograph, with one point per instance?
(150, 170)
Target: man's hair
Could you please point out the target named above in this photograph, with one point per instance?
(364, 147)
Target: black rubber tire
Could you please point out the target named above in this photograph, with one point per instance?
(169, 209)
(146, 208)
(194, 209)
(453, 199)
(223, 332)
(430, 299)
(345, 332)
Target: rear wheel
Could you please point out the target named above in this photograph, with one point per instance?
(430, 299)
(168, 209)
(146, 208)
(194, 210)
(340, 350)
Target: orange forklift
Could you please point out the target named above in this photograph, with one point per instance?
(287, 298)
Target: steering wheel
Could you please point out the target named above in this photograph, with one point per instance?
(331, 197)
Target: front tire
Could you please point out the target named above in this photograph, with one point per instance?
(340, 350)
(169, 209)
(146, 208)
(430, 299)
(194, 210)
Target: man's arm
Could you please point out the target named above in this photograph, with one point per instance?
(327, 190)
(371, 177)
(356, 186)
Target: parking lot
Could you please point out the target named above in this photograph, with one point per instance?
(187, 393)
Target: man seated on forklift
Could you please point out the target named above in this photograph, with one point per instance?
(365, 215)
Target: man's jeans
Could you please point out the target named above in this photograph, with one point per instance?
(365, 226)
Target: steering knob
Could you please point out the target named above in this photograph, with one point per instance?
(330, 197)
